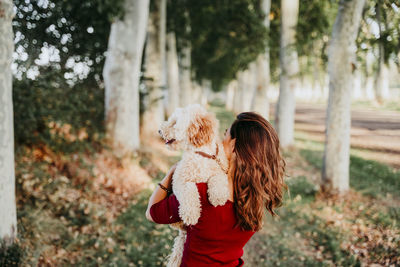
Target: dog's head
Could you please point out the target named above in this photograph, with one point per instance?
(189, 128)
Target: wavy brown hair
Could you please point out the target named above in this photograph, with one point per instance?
(258, 170)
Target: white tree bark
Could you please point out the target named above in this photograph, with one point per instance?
(163, 54)
(153, 114)
(205, 92)
(357, 92)
(368, 84)
(185, 77)
(185, 62)
(381, 82)
(247, 86)
(122, 75)
(195, 96)
(238, 103)
(230, 95)
(173, 74)
(8, 221)
(341, 57)
(289, 65)
(260, 101)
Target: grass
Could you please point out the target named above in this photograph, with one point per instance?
(366, 176)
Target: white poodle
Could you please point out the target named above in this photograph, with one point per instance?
(195, 130)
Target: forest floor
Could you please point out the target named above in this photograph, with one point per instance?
(88, 209)
(375, 134)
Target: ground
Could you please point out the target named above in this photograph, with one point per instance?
(88, 208)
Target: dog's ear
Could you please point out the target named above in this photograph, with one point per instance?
(202, 130)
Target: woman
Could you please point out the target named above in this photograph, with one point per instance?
(256, 170)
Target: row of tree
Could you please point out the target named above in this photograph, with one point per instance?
(151, 57)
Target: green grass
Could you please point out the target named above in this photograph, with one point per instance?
(11, 255)
(301, 187)
(145, 243)
(369, 177)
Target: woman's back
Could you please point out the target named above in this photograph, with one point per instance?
(214, 240)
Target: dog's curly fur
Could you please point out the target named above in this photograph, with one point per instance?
(194, 129)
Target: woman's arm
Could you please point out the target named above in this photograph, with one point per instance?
(159, 194)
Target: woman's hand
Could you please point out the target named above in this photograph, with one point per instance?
(167, 181)
(159, 194)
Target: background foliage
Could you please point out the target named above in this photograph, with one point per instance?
(60, 48)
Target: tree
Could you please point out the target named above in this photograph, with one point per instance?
(381, 78)
(378, 38)
(224, 38)
(172, 74)
(230, 95)
(341, 57)
(246, 88)
(8, 222)
(155, 74)
(121, 75)
(289, 71)
(185, 65)
(59, 57)
(260, 101)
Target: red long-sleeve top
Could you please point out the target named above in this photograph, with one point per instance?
(214, 240)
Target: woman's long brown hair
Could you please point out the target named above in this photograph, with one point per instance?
(258, 170)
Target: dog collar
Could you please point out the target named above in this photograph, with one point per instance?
(214, 157)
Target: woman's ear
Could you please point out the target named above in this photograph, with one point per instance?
(201, 130)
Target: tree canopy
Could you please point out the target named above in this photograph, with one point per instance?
(225, 36)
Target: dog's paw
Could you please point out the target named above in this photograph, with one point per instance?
(218, 199)
(218, 190)
(189, 214)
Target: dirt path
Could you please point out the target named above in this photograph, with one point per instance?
(375, 134)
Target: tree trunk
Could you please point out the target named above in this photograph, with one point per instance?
(341, 57)
(205, 92)
(153, 114)
(289, 65)
(238, 103)
(163, 54)
(247, 87)
(8, 222)
(368, 86)
(185, 77)
(196, 93)
(122, 75)
(381, 83)
(230, 95)
(185, 62)
(260, 101)
(173, 74)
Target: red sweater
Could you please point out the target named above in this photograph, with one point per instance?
(213, 241)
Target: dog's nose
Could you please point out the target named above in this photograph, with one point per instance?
(159, 132)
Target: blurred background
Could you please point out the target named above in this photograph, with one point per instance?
(85, 85)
